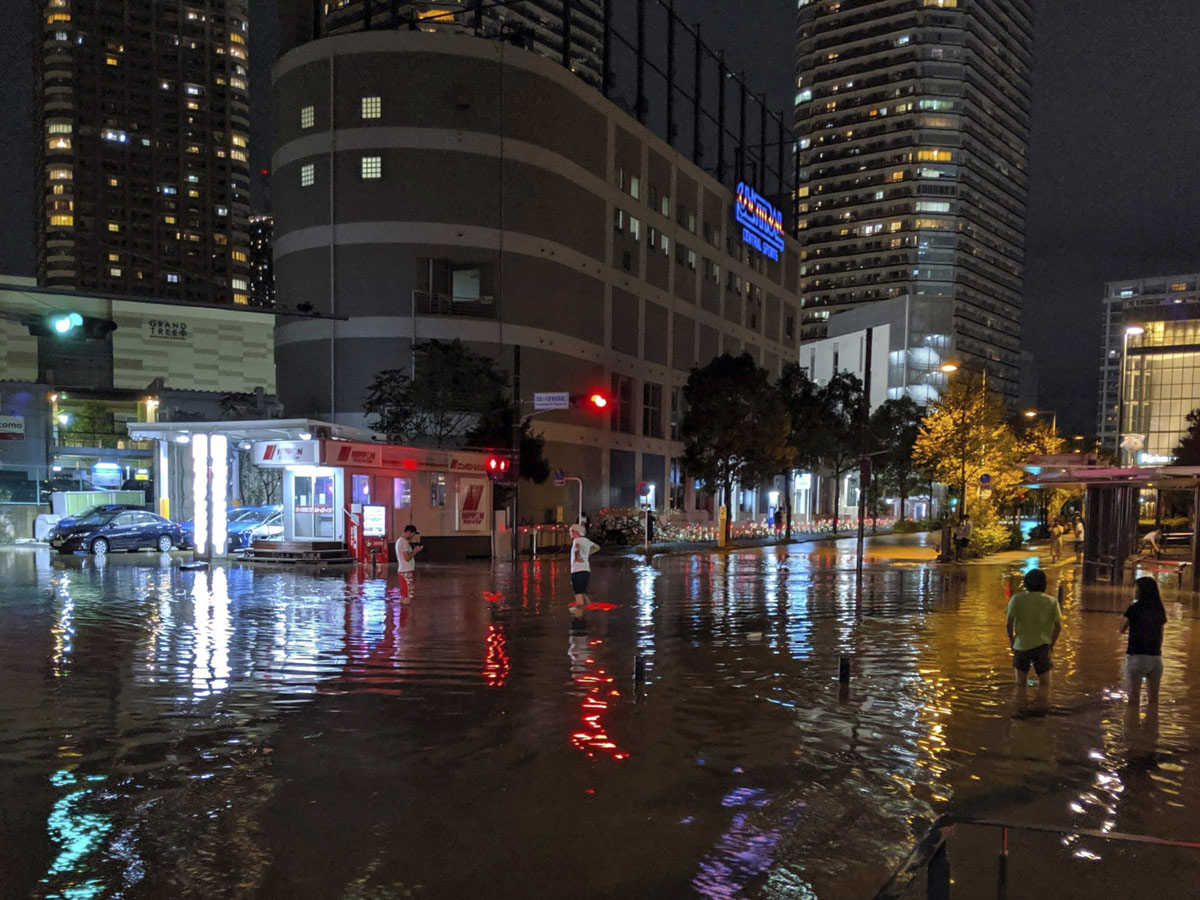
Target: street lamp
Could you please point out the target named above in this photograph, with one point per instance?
(1130, 331)
(1034, 413)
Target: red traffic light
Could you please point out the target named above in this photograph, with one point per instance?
(497, 466)
(597, 401)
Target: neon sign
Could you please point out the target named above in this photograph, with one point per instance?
(762, 223)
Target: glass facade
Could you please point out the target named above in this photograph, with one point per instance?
(1162, 380)
(913, 125)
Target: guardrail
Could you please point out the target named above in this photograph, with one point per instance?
(447, 305)
(929, 855)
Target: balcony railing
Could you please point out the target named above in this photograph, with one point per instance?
(447, 305)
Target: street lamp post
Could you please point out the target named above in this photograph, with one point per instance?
(1053, 414)
(1130, 331)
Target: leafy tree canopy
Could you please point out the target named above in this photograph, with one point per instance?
(736, 427)
(453, 389)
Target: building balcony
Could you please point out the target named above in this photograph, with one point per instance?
(446, 305)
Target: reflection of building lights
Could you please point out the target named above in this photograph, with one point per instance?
(219, 467)
(200, 493)
(592, 738)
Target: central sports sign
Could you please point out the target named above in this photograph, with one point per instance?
(762, 223)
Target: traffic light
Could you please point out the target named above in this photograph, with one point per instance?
(70, 326)
(595, 401)
(497, 468)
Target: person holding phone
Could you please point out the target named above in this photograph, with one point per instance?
(581, 568)
(408, 545)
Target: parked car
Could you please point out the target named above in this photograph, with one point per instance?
(241, 521)
(251, 523)
(125, 529)
(92, 510)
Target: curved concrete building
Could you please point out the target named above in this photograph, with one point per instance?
(442, 186)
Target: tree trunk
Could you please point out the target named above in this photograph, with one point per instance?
(727, 489)
(788, 481)
(874, 501)
(837, 497)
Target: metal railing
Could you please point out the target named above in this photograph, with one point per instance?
(930, 857)
(446, 305)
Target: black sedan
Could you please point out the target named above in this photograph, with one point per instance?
(124, 529)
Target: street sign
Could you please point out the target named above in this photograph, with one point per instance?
(560, 477)
(552, 400)
(985, 479)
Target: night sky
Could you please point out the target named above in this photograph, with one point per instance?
(1114, 174)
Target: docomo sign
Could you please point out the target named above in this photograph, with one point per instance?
(12, 428)
(762, 223)
(286, 453)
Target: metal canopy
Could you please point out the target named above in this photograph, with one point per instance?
(252, 430)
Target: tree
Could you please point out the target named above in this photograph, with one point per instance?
(735, 428)
(964, 436)
(453, 389)
(802, 400)
(1187, 451)
(838, 432)
(894, 428)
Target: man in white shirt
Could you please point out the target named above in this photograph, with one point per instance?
(581, 569)
(407, 547)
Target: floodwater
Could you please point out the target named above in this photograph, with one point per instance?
(267, 734)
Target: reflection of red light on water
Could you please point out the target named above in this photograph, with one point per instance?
(495, 658)
(592, 738)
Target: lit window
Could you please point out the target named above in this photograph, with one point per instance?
(238, 140)
(944, 4)
(169, 220)
(635, 228)
(114, 271)
(241, 299)
(59, 143)
(58, 128)
(58, 17)
(172, 278)
(239, 284)
(933, 155)
(372, 167)
(114, 257)
(114, 226)
(222, 210)
(239, 155)
(114, 182)
(238, 255)
(372, 107)
(62, 221)
(111, 61)
(59, 174)
(167, 188)
(308, 117)
(117, 137)
(308, 175)
(635, 187)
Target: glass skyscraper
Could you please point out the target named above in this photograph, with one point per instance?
(143, 150)
(913, 123)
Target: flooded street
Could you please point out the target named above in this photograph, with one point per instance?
(267, 734)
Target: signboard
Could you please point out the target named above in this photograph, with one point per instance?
(985, 479)
(552, 400)
(348, 453)
(12, 428)
(167, 330)
(471, 504)
(374, 521)
(560, 477)
(286, 453)
(762, 223)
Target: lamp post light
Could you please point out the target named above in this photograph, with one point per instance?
(1052, 413)
(1130, 331)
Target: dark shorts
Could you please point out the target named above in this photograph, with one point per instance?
(1038, 657)
(579, 582)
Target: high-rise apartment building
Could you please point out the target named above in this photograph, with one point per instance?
(538, 25)
(262, 272)
(143, 157)
(913, 122)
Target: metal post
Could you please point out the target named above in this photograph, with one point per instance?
(641, 61)
(762, 143)
(1195, 541)
(937, 884)
(516, 442)
(742, 129)
(478, 17)
(864, 463)
(566, 34)
(605, 49)
(721, 74)
(782, 185)
(671, 72)
(1002, 866)
(696, 89)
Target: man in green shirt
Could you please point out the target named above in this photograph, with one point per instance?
(1034, 624)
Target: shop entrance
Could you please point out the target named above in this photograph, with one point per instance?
(313, 495)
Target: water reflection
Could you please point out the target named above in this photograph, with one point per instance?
(304, 731)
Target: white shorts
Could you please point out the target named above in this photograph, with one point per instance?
(1139, 666)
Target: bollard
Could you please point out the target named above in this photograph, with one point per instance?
(844, 670)
(1060, 593)
(639, 670)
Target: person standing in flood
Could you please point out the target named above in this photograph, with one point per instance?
(581, 568)
(1144, 621)
(407, 547)
(1034, 624)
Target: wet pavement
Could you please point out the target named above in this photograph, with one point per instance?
(268, 734)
